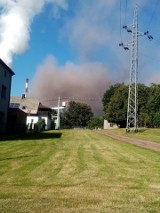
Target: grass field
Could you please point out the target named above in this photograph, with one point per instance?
(144, 133)
(77, 171)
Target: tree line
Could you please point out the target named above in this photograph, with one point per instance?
(115, 101)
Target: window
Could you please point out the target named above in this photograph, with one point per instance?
(3, 92)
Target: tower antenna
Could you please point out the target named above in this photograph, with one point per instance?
(132, 110)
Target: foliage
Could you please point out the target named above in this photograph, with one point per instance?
(143, 98)
(154, 99)
(53, 124)
(41, 124)
(108, 95)
(53, 112)
(96, 122)
(156, 120)
(52, 115)
(77, 115)
(116, 110)
(115, 105)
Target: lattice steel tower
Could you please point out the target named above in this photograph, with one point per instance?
(132, 115)
(132, 110)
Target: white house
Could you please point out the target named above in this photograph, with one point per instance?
(34, 109)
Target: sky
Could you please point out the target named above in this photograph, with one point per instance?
(70, 48)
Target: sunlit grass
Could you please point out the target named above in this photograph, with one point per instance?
(143, 133)
(77, 171)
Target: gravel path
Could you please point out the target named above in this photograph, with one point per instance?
(139, 142)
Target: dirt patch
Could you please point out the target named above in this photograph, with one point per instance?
(139, 142)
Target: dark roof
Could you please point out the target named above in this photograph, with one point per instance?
(5, 65)
(41, 106)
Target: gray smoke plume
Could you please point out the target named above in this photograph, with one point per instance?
(85, 82)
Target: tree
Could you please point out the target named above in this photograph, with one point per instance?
(156, 122)
(116, 111)
(96, 122)
(153, 105)
(154, 99)
(108, 95)
(143, 97)
(41, 124)
(77, 115)
(117, 101)
(52, 115)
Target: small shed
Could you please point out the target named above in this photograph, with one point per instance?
(108, 125)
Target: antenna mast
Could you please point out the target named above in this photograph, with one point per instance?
(132, 110)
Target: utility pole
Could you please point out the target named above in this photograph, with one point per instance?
(58, 113)
(132, 110)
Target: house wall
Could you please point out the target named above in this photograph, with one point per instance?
(5, 87)
(32, 118)
(36, 118)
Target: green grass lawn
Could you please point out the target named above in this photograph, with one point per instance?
(144, 133)
(77, 171)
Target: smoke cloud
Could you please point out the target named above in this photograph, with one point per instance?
(90, 32)
(15, 22)
(71, 82)
(91, 29)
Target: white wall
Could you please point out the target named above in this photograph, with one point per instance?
(36, 118)
(30, 118)
(108, 125)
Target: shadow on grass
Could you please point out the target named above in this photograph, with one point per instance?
(18, 157)
(30, 136)
(142, 130)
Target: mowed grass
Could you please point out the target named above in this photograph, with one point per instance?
(77, 171)
(144, 133)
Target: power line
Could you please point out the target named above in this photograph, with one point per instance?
(72, 99)
(120, 18)
(153, 13)
(126, 7)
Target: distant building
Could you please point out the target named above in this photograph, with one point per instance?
(5, 87)
(108, 125)
(34, 110)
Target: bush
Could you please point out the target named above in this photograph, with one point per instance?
(96, 122)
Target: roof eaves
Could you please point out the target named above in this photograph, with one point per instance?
(5, 65)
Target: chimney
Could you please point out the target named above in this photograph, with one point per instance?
(26, 90)
(23, 96)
